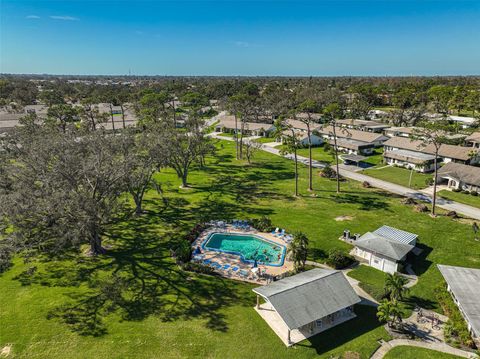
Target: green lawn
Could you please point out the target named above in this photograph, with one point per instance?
(265, 139)
(371, 280)
(406, 352)
(318, 154)
(460, 197)
(226, 134)
(75, 307)
(399, 176)
(375, 159)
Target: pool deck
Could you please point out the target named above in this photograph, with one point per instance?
(234, 260)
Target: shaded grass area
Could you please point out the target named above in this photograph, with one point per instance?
(400, 176)
(406, 352)
(371, 280)
(135, 302)
(460, 197)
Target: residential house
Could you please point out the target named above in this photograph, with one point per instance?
(460, 176)
(227, 124)
(473, 140)
(353, 141)
(413, 154)
(463, 285)
(363, 125)
(306, 304)
(384, 248)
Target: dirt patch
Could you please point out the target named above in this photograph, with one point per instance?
(343, 218)
(6, 350)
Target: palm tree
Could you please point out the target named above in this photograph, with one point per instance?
(389, 312)
(395, 286)
(298, 250)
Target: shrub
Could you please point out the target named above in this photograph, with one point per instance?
(456, 190)
(197, 268)
(466, 192)
(183, 252)
(474, 193)
(328, 172)
(366, 184)
(263, 224)
(456, 330)
(194, 232)
(429, 182)
(338, 259)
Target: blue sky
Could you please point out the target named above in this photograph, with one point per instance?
(241, 37)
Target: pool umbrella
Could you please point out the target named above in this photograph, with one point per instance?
(197, 250)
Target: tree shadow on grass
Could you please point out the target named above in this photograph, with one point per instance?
(365, 202)
(420, 263)
(365, 322)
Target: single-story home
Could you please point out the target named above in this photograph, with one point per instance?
(420, 162)
(384, 248)
(354, 147)
(399, 131)
(302, 126)
(306, 304)
(460, 176)
(464, 121)
(363, 125)
(227, 124)
(473, 140)
(463, 285)
(412, 159)
(376, 139)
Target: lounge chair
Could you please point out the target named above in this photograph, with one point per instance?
(226, 266)
(235, 269)
(207, 261)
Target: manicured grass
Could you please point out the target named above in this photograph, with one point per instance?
(226, 134)
(318, 154)
(265, 139)
(406, 352)
(460, 197)
(399, 176)
(371, 280)
(375, 159)
(152, 309)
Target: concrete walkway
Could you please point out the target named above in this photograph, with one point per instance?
(448, 205)
(441, 347)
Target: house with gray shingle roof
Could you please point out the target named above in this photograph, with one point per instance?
(306, 304)
(384, 248)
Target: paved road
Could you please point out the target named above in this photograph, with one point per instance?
(348, 172)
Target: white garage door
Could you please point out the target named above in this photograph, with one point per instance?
(389, 267)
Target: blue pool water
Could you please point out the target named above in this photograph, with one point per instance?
(248, 246)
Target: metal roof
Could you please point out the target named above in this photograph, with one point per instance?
(463, 282)
(308, 296)
(354, 158)
(383, 246)
(397, 235)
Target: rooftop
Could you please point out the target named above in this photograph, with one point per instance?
(384, 246)
(463, 282)
(311, 295)
(461, 172)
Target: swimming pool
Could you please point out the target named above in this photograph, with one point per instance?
(249, 247)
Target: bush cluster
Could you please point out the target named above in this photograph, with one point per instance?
(263, 224)
(338, 259)
(194, 232)
(456, 330)
(197, 268)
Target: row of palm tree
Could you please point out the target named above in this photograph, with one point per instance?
(389, 310)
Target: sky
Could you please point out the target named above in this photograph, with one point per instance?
(247, 38)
